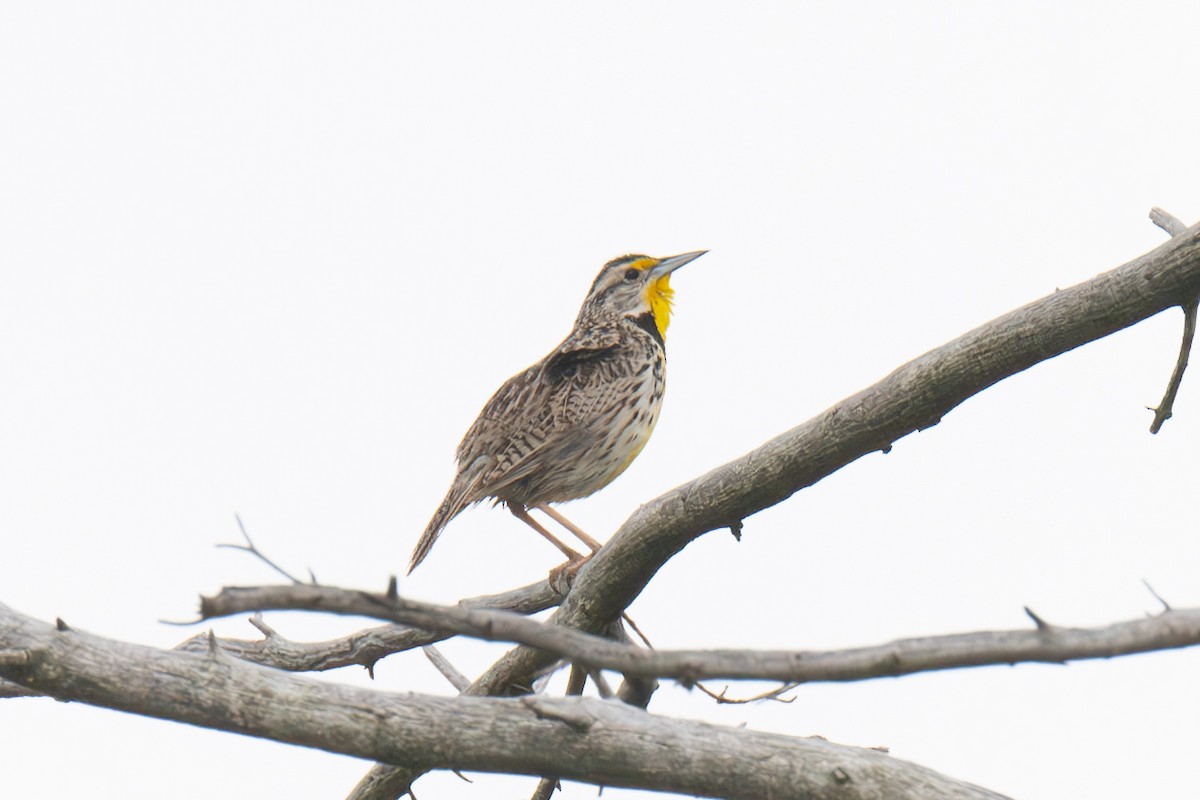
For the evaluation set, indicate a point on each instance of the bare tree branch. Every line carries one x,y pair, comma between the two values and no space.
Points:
581,739
1052,644
1166,406
251,548
365,648
587,739
775,694
913,397
1166,606
449,672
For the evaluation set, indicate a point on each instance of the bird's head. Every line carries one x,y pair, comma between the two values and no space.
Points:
638,287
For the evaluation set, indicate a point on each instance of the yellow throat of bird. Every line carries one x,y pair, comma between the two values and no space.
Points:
659,294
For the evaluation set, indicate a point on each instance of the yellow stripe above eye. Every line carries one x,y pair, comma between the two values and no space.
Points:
642,263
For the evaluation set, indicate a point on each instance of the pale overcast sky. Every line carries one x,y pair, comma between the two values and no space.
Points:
270,258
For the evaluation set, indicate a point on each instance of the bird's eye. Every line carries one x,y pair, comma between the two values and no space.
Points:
632,274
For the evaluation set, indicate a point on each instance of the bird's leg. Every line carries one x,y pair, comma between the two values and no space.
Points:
518,511
571,526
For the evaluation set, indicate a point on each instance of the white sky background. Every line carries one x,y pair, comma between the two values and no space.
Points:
272,258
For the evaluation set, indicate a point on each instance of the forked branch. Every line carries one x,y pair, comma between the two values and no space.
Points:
365,648
580,739
915,396
1166,406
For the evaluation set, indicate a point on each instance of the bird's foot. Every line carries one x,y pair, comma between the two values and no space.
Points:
562,576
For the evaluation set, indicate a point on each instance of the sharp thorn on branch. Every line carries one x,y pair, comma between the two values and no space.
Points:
1166,606
60,625
1042,625
736,529
393,592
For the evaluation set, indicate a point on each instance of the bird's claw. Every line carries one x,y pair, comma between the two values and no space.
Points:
562,576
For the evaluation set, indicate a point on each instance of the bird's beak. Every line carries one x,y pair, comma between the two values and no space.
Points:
672,263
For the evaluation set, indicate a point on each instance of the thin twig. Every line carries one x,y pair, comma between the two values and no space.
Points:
1166,606
252,549
1162,413
1164,410
545,789
772,694
629,621
456,678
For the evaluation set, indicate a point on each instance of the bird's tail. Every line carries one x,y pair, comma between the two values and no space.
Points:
452,505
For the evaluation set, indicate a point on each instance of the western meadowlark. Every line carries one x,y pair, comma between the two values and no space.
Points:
571,423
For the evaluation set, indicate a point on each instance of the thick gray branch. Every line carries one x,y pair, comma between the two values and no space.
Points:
580,739
1047,643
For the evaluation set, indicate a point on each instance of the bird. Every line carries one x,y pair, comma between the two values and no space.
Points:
567,426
